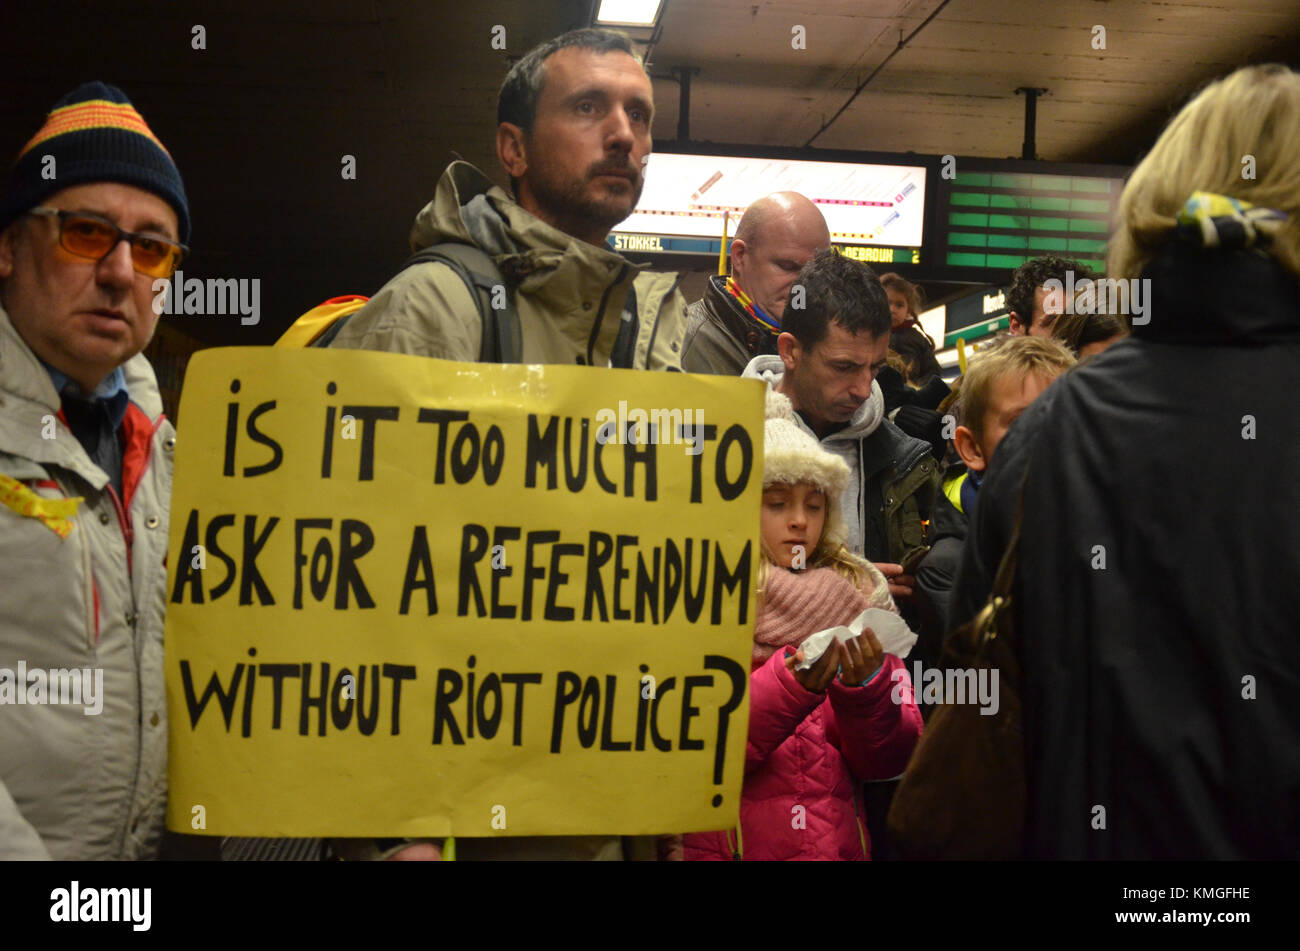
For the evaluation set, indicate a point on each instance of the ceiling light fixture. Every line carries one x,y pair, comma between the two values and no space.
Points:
642,13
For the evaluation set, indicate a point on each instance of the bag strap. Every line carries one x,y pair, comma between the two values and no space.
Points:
332,331
501,336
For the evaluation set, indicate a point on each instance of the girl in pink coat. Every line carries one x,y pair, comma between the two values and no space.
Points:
814,735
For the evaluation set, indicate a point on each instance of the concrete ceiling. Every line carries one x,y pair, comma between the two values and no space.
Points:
260,119
951,88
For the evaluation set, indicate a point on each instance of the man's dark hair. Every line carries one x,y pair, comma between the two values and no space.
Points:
1032,275
517,100
834,287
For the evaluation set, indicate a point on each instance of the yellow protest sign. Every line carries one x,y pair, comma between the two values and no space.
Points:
411,597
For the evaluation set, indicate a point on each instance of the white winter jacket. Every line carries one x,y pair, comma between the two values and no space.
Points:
82,588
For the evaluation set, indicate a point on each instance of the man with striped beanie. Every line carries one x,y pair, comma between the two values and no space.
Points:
94,214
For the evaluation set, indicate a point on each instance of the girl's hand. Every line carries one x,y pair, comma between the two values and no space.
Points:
817,677
863,657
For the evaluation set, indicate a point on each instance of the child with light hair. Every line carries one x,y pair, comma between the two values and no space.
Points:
815,735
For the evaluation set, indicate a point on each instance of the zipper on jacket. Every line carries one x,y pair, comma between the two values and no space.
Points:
127,533
123,518
600,316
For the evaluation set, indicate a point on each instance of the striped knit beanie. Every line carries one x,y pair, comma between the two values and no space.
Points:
94,134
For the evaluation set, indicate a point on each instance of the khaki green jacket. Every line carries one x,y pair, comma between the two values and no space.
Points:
570,295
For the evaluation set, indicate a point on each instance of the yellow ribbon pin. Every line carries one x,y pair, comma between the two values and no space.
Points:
55,514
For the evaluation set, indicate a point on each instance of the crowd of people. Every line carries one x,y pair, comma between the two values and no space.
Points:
1156,601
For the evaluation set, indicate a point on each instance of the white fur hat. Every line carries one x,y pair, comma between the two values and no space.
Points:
792,455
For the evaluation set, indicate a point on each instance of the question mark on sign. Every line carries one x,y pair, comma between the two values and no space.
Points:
739,678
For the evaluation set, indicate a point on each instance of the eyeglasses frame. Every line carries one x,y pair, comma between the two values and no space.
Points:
122,235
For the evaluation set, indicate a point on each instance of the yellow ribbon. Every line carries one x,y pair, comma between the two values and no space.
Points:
54,514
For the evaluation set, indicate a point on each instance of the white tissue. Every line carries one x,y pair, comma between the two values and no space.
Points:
890,629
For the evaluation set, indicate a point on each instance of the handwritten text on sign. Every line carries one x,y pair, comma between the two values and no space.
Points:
415,597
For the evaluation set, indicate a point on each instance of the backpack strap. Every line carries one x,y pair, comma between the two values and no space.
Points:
322,323
501,336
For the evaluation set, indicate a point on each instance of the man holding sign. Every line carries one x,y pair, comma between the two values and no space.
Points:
574,135
93,217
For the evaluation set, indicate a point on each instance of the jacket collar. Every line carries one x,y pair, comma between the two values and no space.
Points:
574,282
744,329
865,421
888,446
1203,296
948,520
22,374
28,396
112,391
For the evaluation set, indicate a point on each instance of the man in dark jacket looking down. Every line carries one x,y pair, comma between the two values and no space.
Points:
834,342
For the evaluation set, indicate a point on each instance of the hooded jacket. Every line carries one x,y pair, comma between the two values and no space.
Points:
804,749
570,295
892,476
1157,602
83,579
720,337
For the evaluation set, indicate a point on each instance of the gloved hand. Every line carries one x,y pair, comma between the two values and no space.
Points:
933,393
923,424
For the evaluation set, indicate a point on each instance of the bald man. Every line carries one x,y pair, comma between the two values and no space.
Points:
739,317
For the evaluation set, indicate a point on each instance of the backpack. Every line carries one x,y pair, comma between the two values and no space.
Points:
502,342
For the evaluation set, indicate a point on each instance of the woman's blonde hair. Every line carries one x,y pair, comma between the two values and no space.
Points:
1248,122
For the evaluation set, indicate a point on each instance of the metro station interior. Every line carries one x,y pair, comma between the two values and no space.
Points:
1018,120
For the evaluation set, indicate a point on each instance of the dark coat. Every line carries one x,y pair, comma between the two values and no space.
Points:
1161,683
721,337
899,482
936,574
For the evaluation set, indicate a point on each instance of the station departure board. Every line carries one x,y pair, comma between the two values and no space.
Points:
998,219
876,213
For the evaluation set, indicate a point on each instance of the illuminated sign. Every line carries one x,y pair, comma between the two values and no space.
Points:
875,213
874,255
976,315
1000,219
638,242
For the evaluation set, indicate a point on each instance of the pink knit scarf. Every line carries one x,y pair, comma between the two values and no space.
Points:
797,604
